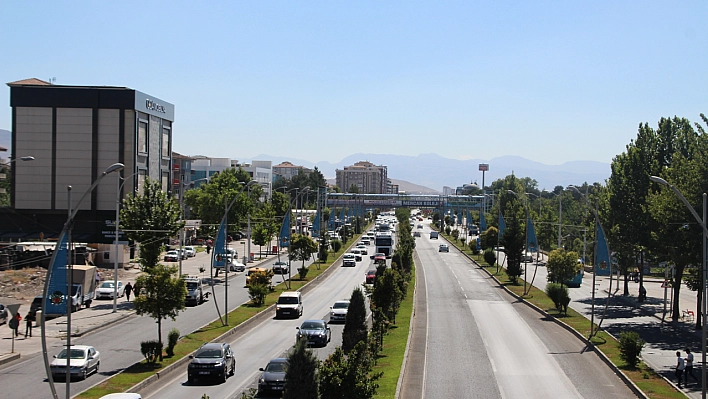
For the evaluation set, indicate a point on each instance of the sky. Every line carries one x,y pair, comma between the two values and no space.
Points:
551,81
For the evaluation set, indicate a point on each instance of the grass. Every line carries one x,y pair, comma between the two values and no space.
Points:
651,383
138,372
390,359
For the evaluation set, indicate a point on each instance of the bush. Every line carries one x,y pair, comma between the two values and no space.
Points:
559,295
303,272
257,293
490,257
336,245
151,350
630,346
473,248
172,338
447,230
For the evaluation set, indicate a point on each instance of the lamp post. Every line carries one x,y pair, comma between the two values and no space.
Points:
526,247
119,187
702,222
182,185
66,234
248,228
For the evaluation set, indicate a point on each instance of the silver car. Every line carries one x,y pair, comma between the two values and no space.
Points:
3,314
83,361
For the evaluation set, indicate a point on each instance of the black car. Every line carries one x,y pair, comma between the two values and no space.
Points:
272,380
317,332
212,360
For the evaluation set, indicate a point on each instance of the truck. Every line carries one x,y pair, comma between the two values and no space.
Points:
84,286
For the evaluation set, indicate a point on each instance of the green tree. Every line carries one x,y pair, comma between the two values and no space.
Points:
562,266
261,236
349,376
149,219
387,294
301,373
354,189
301,248
161,295
513,242
355,329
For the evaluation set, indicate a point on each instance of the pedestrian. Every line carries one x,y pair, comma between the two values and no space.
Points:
29,319
98,277
642,293
689,367
680,366
16,323
128,291
208,248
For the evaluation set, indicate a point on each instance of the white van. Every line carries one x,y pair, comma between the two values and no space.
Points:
289,304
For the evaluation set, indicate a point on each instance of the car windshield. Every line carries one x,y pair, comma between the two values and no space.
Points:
275,367
192,285
287,300
208,354
312,325
75,354
371,272
107,284
340,305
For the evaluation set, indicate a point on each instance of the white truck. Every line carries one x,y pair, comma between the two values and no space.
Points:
83,286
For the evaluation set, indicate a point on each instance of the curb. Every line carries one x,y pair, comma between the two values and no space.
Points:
629,383
404,364
9,357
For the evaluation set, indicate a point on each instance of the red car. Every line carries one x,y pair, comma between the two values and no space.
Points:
379,257
370,276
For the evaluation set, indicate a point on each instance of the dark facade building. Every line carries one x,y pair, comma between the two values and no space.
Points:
74,133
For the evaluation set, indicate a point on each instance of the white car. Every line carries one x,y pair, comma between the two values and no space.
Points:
83,361
363,249
190,252
105,290
338,312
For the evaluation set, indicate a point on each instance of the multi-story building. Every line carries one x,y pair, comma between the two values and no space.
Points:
261,172
370,178
287,170
75,133
204,167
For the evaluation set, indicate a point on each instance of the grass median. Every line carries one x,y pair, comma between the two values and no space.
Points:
643,376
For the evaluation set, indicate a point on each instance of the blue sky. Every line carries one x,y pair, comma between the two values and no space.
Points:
549,81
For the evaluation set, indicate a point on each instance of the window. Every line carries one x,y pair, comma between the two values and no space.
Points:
165,142
142,137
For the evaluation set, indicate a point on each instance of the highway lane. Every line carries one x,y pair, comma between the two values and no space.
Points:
481,343
119,344
269,339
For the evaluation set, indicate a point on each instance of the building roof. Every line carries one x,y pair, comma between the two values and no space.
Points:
29,82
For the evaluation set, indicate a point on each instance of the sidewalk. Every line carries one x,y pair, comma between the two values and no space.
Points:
99,315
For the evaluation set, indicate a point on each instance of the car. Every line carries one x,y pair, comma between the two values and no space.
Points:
281,267
236,266
122,395
370,276
3,314
172,256
363,249
338,311
366,240
349,260
357,254
420,226
443,248
211,360
317,332
379,257
190,251
105,290
433,235
195,291
416,234
36,304
253,270
83,360
272,380
527,258
289,304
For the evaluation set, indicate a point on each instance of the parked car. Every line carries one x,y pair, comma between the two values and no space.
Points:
212,360
236,266
272,380
3,314
172,256
317,332
36,304
443,248
349,260
190,251
370,276
83,360
105,290
281,267
289,304
363,249
338,311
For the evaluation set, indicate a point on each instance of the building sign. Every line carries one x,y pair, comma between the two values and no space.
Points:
154,106
483,167
151,105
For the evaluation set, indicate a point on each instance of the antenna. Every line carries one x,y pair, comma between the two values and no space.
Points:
52,80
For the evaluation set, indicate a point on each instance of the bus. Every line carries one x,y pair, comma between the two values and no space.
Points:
384,243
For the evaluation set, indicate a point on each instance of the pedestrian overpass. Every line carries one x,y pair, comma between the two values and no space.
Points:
384,201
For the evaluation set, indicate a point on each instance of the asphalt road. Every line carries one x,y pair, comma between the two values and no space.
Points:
482,343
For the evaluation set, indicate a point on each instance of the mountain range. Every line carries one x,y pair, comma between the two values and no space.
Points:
434,171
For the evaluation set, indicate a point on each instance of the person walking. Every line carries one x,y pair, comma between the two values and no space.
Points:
29,319
689,367
16,319
680,366
128,291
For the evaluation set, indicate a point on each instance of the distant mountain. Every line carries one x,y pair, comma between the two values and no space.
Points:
6,141
432,170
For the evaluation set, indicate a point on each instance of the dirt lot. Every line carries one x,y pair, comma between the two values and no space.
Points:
21,286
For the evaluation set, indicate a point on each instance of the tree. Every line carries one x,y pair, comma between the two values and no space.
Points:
387,293
261,236
349,376
562,266
354,189
355,324
301,248
149,219
160,295
301,373
513,242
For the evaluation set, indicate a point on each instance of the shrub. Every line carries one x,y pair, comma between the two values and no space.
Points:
336,245
447,230
257,293
559,295
490,257
151,350
303,272
473,248
172,338
630,346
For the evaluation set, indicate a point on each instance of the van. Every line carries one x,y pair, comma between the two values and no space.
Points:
195,291
289,304
433,235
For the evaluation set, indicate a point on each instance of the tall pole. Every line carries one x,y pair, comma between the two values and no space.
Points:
115,259
560,217
181,230
69,300
705,297
227,265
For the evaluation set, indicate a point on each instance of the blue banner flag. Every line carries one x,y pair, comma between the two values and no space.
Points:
342,216
531,241
469,220
55,302
502,225
316,226
330,222
482,222
284,239
220,246
602,257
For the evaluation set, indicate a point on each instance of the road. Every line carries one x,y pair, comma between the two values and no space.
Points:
482,343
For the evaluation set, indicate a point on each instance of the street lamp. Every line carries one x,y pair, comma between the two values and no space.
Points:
702,222
65,235
119,187
248,231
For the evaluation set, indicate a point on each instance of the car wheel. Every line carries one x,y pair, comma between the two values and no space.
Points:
97,365
226,373
233,367
190,380
84,373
